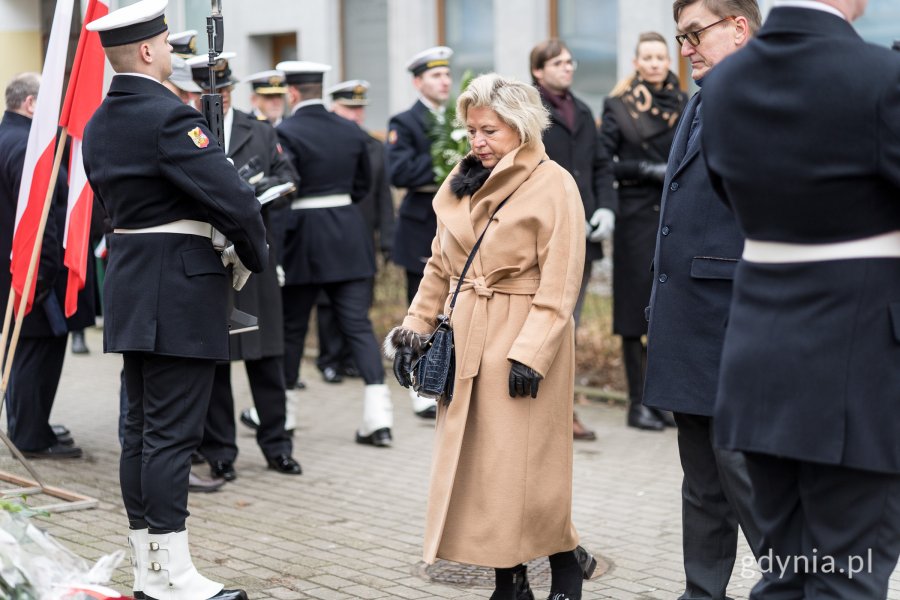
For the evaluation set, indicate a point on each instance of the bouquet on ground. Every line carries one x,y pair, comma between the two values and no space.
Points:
449,143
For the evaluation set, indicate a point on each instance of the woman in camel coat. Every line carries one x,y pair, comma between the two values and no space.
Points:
501,479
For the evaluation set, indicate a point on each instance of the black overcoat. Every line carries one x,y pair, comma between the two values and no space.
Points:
811,361
409,166
261,295
151,160
325,245
638,218
698,246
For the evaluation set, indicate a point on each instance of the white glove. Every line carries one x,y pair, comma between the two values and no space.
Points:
279,274
603,221
239,273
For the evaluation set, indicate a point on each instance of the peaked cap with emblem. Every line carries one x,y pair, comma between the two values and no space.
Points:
267,83
298,72
439,56
135,23
200,70
181,76
184,43
350,93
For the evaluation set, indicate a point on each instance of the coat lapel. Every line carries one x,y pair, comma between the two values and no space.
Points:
682,154
240,134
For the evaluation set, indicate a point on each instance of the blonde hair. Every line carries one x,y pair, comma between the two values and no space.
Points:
626,82
517,104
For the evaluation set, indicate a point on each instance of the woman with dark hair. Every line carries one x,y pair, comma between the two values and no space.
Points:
639,119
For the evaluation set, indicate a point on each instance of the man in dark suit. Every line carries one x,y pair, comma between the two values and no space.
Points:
41,349
802,140
253,147
327,245
572,140
698,246
349,100
409,165
165,183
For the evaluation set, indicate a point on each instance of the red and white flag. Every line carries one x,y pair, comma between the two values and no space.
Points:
83,96
39,154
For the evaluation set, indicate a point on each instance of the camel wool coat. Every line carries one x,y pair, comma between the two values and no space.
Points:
501,476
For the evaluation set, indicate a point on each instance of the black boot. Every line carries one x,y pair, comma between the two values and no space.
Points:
639,416
566,576
512,584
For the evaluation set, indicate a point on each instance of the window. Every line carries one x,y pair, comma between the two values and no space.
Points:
469,31
589,29
365,39
880,23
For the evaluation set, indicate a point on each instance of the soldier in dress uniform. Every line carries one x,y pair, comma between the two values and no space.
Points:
408,152
165,183
327,245
184,47
268,99
253,147
184,43
349,100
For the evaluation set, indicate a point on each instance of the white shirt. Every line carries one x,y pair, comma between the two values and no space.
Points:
810,4
435,108
227,123
309,102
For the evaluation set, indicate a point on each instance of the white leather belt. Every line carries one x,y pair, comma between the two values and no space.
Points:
330,201
885,245
184,226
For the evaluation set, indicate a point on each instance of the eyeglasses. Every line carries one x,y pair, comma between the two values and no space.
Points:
571,62
694,36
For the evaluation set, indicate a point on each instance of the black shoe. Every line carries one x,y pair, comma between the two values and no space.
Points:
349,371
380,437
230,595
65,440
247,419
202,485
59,430
587,562
222,469
641,417
300,385
665,416
520,583
330,375
428,413
197,458
284,463
78,345
55,451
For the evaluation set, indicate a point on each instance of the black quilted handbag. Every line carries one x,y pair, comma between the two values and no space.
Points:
434,371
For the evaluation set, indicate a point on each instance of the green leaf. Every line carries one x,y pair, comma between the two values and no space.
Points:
446,152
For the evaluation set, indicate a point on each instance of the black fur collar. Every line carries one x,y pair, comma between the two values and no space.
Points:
470,177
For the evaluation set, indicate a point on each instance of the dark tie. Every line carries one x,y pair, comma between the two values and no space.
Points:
695,126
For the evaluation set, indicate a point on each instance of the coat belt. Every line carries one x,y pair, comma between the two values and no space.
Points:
469,360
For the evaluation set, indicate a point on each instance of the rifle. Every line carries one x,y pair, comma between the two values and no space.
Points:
211,103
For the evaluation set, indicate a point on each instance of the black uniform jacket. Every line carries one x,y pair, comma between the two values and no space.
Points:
261,296
580,152
46,318
802,136
378,205
324,245
151,160
408,154
698,246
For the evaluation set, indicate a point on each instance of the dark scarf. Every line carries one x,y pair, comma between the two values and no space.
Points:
469,178
564,105
654,111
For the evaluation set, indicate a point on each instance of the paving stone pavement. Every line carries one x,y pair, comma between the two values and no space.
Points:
351,525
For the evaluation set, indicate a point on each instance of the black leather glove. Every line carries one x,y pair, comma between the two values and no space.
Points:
523,380
263,184
403,361
652,171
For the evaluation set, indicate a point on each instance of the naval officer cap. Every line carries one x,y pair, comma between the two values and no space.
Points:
200,70
181,76
267,83
135,23
184,43
298,72
439,56
350,93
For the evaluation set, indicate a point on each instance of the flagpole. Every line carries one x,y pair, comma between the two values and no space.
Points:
3,336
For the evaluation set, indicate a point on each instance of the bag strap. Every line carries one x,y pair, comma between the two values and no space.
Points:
469,260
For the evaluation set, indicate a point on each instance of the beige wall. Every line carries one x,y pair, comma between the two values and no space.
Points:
21,51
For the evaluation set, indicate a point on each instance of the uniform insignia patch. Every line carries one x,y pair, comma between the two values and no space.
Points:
392,136
198,137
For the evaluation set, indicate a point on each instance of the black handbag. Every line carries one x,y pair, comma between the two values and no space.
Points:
433,373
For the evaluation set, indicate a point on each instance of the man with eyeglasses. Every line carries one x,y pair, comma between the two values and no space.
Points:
697,247
572,141
810,384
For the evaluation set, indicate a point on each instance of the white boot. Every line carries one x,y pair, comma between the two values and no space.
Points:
137,546
291,408
378,412
424,407
171,574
